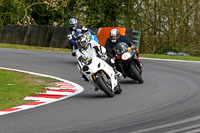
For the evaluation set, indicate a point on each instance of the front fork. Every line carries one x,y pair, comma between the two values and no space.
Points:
103,75
122,70
94,76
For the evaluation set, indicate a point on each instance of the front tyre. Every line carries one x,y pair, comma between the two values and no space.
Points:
135,74
104,87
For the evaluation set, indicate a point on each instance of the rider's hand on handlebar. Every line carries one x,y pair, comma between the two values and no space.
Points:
104,57
133,46
112,61
113,58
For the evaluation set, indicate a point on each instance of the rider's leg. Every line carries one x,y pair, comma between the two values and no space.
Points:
74,48
112,64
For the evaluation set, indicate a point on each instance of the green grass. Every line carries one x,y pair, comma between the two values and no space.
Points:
159,56
14,86
35,48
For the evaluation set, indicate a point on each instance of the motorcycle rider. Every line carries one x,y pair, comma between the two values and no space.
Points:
74,30
114,38
87,48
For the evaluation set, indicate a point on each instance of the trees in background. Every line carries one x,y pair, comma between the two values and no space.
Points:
165,24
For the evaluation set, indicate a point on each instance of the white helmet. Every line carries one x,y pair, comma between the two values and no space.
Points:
114,35
82,41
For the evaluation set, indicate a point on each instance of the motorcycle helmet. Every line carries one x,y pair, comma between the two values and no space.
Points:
82,41
73,23
114,35
121,48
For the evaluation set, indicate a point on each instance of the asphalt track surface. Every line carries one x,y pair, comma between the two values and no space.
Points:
167,102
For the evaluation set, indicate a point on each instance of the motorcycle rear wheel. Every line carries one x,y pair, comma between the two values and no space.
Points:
118,89
104,87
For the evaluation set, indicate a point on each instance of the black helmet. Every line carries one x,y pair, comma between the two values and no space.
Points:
73,23
82,41
114,35
121,48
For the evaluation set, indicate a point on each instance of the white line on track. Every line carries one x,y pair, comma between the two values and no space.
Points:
168,125
190,128
170,60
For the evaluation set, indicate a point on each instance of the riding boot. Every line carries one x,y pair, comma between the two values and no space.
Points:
73,53
84,77
117,73
96,89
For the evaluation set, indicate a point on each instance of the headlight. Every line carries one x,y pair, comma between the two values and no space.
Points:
126,56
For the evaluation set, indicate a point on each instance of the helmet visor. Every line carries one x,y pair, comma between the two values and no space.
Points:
82,43
113,37
73,25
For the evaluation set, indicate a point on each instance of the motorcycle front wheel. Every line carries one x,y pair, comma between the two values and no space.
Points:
135,74
104,87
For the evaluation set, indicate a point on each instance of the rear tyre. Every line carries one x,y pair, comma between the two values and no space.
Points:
135,74
104,87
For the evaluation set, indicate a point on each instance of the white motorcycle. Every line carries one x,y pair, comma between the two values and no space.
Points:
101,75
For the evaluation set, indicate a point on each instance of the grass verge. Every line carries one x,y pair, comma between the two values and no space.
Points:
14,86
158,56
35,48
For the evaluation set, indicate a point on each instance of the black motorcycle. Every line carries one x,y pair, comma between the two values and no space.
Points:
125,58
